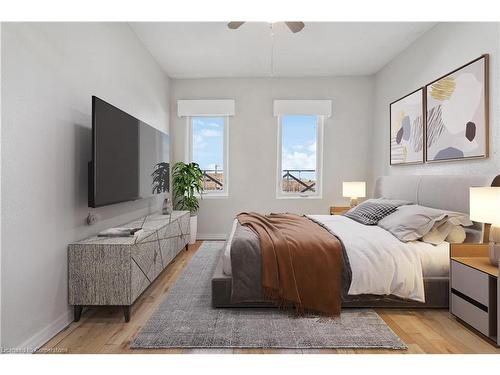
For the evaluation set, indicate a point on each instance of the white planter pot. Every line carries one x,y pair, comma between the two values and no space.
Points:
192,229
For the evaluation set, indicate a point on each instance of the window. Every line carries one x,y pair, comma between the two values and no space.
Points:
300,141
208,148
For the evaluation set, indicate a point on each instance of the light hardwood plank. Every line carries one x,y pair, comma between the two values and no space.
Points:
102,330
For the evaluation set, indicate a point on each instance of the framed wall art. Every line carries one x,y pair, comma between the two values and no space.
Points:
457,114
407,129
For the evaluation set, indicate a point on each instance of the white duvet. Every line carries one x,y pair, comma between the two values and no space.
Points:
380,263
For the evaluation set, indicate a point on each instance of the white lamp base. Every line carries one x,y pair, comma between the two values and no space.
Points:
494,253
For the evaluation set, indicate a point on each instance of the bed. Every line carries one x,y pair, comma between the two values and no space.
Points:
388,273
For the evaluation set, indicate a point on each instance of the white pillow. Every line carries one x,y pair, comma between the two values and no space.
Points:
412,222
447,230
457,235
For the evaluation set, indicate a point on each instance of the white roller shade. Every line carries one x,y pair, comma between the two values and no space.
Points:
303,107
205,108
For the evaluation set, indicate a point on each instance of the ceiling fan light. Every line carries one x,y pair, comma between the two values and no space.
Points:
295,26
233,25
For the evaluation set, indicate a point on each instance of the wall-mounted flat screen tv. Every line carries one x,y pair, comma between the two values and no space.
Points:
130,159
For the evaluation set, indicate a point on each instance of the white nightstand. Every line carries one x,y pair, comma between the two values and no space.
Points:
474,288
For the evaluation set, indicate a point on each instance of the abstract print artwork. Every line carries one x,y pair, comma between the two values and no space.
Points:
407,129
456,125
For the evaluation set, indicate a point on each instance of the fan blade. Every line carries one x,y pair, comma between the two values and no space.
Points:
295,26
234,25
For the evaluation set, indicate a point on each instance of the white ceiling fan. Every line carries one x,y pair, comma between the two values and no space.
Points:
294,26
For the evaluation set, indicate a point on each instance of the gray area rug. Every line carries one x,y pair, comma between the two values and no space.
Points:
186,319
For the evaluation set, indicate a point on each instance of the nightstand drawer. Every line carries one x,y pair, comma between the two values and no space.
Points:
339,210
471,282
470,314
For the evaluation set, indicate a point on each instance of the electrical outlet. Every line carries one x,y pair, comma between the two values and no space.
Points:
92,218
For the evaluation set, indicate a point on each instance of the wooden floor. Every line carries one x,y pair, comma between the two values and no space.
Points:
103,330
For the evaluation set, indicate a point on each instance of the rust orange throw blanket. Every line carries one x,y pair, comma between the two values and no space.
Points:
301,261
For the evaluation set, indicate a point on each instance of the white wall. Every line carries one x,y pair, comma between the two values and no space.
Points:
252,142
0,186
49,72
439,51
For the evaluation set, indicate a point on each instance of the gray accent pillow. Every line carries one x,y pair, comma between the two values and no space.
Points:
372,210
412,222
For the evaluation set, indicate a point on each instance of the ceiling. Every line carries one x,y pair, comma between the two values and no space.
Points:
210,49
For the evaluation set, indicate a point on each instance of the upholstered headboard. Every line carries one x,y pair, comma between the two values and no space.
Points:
443,192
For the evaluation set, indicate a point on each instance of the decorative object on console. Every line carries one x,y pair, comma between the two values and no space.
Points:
188,181
167,207
120,232
354,190
407,129
457,113
485,208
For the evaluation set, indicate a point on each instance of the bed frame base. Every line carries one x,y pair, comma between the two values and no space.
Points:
436,295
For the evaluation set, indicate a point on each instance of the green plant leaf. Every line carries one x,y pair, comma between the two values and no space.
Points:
187,181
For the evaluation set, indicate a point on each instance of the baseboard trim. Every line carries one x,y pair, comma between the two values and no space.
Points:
211,237
36,341
41,337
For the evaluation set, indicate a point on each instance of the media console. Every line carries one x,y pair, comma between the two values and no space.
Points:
115,271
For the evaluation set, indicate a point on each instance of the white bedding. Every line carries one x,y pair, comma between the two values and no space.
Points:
380,263
226,260
435,259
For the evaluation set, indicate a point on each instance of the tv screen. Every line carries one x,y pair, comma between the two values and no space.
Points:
130,159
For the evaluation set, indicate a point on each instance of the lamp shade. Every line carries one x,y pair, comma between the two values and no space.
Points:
484,204
354,189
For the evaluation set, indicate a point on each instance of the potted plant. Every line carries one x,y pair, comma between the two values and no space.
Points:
187,183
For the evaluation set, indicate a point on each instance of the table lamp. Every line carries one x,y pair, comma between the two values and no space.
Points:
484,203
354,190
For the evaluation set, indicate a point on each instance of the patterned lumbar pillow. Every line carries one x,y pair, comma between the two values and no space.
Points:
372,211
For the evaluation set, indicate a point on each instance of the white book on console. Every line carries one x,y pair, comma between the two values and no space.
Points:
119,232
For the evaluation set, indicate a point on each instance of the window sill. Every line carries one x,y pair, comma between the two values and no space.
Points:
213,196
299,197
